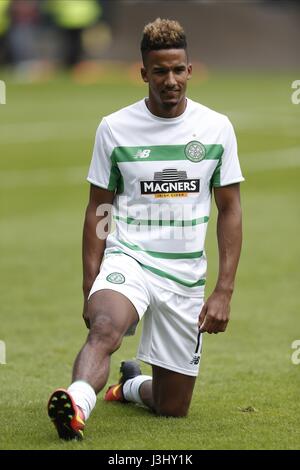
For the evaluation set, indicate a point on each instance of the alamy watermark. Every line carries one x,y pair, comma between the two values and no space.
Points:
295,97
179,221
2,92
295,358
2,352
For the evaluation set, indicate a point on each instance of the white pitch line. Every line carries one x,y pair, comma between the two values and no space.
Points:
46,131
271,159
274,119
250,162
43,177
285,122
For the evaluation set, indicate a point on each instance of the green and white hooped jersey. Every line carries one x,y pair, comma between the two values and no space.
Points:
163,171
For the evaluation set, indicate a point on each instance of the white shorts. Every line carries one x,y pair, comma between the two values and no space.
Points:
170,337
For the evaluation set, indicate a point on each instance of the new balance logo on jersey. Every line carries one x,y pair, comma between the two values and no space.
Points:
170,181
143,153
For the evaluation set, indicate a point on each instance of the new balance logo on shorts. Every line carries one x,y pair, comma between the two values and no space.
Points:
196,359
196,356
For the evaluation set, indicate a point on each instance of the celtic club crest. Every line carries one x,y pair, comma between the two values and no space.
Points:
195,151
116,278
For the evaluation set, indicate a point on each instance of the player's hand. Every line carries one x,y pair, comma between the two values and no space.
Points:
85,312
214,315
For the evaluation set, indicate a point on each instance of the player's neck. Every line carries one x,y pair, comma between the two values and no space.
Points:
166,111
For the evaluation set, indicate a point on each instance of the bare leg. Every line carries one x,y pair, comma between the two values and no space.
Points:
169,393
110,315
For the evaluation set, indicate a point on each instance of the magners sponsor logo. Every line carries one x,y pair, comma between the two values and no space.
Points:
170,183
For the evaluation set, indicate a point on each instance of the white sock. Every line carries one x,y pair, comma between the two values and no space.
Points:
131,388
84,396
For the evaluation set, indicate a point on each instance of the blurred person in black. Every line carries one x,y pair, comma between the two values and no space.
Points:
72,17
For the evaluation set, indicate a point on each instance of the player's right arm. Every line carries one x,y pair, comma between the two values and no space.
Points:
92,245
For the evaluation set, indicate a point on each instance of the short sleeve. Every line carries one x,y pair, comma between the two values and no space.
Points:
228,170
103,172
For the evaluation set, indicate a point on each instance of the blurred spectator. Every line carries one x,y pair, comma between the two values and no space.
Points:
23,35
4,25
72,17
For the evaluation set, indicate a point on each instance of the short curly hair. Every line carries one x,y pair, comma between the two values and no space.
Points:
162,34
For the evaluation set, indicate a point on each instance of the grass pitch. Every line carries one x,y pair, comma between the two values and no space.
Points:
247,394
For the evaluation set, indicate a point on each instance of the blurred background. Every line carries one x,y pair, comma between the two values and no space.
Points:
40,36
66,64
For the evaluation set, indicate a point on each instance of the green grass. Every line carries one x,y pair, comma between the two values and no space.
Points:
46,138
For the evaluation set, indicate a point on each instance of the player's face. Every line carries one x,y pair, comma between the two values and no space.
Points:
167,72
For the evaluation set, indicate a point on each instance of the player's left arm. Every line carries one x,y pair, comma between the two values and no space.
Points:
214,315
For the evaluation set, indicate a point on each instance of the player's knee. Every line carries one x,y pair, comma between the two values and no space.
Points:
172,410
169,412
105,331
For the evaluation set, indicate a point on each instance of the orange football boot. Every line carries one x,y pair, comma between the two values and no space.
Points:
67,417
128,370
